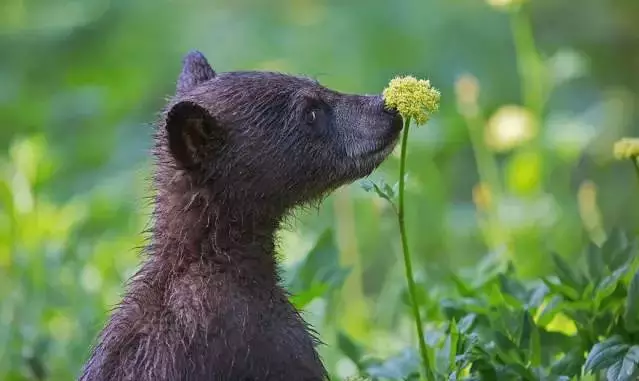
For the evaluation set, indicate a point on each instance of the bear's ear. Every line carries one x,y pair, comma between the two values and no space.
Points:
195,70
193,134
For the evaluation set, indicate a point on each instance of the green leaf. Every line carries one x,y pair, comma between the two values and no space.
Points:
581,305
602,323
396,185
382,189
522,372
421,296
349,348
595,262
569,364
485,368
446,355
550,310
508,350
566,275
527,325
529,340
580,317
367,185
624,257
562,289
556,342
463,289
609,284
466,323
513,302
630,366
535,348
507,321
321,265
613,371
537,296
617,250
631,316
458,308
616,240
604,354
303,298
452,340
488,268
512,287
397,367
589,292
626,369
388,190
495,297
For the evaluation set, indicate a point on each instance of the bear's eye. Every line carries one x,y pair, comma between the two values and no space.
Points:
311,116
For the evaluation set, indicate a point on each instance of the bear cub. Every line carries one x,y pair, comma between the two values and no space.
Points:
235,152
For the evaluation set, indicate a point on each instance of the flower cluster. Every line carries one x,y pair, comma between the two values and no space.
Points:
626,148
413,98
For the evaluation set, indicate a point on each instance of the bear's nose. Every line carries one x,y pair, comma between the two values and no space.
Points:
380,106
390,111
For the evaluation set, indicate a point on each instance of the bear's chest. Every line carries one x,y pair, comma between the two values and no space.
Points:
251,346
244,337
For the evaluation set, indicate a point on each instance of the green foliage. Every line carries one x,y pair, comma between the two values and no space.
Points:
81,80
318,273
579,321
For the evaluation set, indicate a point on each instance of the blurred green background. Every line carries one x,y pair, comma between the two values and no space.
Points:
517,162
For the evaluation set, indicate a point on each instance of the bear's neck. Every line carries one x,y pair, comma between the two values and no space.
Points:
233,234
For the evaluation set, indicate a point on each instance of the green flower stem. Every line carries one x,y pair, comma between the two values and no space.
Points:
407,259
529,63
532,72
486,164
635,165
488,172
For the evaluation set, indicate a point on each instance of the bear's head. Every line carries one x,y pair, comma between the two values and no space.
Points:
269,137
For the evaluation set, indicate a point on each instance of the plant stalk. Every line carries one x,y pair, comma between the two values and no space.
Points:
529,62
488,172
635,164
423,350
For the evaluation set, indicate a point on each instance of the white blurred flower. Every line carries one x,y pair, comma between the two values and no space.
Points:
510,127
521,213
569,134
91,279
503,4
567,64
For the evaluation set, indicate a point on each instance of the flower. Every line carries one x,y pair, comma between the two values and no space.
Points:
413,98
510,127
626,148
589,211
482,196
467,92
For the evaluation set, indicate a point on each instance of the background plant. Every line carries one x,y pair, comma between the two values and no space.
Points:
518,162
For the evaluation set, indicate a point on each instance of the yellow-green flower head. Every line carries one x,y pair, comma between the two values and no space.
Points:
626,148
413,98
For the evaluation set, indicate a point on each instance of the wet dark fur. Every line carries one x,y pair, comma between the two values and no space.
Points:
235,152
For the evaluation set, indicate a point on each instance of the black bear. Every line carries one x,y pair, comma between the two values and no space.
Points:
235,152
